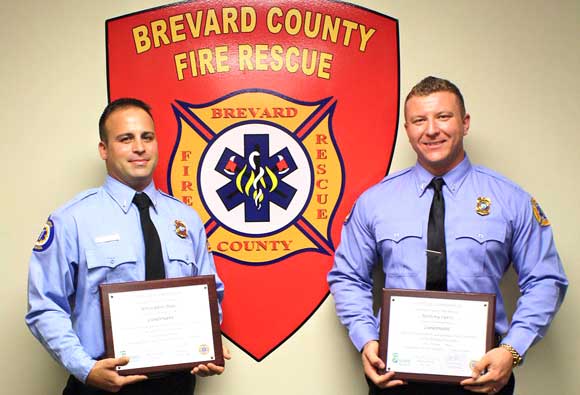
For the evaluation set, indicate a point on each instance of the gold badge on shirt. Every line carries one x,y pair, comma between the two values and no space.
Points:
539,214
180,229
483,205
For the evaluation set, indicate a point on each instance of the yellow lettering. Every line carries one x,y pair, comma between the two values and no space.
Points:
330,28
292,66
229,16
277,60
365,36
180,65
176,27
350,26
261,57
308,30
272,26
194,27
159,32
248,20
211,23
221,59
205,61
293,27
324,65
141,39
244,54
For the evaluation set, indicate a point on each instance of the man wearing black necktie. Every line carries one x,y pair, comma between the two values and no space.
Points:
126,230
447,225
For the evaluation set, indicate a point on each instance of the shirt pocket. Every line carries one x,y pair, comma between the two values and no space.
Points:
400,243
111,263
181,259
478,245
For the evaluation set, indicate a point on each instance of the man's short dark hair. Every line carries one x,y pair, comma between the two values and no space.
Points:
431,85
120,104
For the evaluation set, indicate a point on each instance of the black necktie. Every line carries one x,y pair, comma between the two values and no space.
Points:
154,269
436,254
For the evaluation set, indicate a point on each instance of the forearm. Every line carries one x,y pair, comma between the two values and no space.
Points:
54,331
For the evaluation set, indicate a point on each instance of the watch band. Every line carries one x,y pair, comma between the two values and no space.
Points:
517,358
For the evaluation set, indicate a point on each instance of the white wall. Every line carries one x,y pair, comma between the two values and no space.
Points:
515,61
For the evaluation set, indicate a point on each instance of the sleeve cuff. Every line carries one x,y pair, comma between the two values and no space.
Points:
363,333
520,339
82,370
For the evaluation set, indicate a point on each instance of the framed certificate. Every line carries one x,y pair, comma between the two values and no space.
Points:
162,325
435,336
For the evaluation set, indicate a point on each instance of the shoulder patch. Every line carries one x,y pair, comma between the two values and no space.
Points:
539,213
45,238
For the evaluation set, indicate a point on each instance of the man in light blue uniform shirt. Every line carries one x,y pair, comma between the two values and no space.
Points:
490,223
97,238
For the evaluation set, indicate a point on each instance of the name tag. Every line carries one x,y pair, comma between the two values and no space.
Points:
107,238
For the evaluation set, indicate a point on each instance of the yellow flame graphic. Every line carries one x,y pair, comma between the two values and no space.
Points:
252,186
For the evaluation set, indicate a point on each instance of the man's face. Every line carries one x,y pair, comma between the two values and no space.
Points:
130,151
435,128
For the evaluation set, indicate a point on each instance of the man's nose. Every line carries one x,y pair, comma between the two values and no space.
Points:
138,145
432,128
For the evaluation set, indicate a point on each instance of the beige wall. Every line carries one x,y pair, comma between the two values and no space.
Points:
516,61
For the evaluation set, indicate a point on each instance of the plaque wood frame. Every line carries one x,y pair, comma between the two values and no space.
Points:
388,293
209,280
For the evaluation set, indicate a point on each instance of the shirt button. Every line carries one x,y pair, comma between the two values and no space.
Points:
396,235
480,235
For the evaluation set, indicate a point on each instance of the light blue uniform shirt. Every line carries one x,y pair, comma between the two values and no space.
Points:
388,224
97,238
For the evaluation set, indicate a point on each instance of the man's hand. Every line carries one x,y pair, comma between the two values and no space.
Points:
212,369
372,364
104,375
497,365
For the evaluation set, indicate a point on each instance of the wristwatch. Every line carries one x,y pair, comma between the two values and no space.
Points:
517,358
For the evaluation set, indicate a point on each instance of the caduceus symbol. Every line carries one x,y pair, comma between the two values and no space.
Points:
256,183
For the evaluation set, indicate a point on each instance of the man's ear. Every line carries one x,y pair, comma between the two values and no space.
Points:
103,150
466,123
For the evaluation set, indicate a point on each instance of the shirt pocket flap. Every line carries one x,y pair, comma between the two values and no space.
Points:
397,231
110,255
482,231
181,251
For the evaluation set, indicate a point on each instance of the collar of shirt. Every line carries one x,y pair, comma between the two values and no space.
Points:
123,194
453,178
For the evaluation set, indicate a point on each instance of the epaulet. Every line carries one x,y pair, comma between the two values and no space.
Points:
78,198
170,196
497,176
396,175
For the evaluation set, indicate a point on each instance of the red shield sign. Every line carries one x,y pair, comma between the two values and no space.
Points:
272,117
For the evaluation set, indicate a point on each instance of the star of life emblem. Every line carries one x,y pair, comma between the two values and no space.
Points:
268,172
